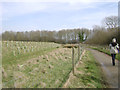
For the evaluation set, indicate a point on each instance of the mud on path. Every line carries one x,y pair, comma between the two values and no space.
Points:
110,72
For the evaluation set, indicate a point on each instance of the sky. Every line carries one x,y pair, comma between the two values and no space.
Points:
35,15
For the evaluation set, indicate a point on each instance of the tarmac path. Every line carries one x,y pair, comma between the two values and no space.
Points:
110,72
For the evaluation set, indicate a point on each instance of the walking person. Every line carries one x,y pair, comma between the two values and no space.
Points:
114,49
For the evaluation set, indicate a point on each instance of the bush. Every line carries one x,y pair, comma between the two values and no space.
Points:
103,37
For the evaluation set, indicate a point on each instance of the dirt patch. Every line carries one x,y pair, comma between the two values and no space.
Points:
4,74
19,79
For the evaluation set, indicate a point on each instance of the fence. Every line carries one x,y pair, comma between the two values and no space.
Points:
75,64
73,53
75,58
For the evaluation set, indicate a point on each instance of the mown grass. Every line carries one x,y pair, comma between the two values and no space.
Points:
88,74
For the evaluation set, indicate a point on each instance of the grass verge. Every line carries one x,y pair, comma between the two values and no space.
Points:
87,74
106,51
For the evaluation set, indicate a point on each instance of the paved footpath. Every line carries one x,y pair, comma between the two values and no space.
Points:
110,72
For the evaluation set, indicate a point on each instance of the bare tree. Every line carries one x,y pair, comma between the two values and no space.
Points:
110,22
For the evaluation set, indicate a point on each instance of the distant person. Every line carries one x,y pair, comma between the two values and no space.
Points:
114,49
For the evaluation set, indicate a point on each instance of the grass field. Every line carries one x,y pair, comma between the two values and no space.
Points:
15,51
35,64
46,65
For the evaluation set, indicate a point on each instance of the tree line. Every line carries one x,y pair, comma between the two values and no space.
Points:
98,35
62,36
104,34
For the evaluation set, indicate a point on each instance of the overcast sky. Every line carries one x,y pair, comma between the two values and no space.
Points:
55,15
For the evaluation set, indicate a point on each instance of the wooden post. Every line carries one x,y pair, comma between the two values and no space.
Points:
78,51
73,59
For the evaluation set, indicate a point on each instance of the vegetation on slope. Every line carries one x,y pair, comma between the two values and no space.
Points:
50,69
87,74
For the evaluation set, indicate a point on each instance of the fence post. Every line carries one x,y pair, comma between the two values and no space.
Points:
73,58
78,51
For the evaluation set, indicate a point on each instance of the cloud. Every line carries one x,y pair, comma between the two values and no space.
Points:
0,18
55,15
70,1
11,9
14,9
94,15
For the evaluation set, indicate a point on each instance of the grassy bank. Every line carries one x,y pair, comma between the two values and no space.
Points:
106,51
87,74
49,70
